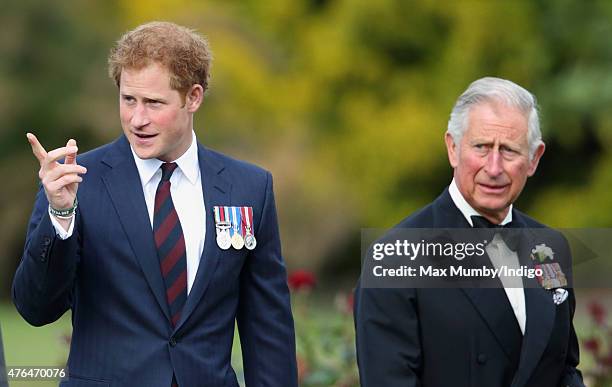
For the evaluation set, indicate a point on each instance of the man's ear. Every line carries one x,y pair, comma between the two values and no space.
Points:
194,98
533,163
452,149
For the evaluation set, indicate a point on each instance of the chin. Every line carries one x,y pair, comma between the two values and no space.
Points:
493,205
145,154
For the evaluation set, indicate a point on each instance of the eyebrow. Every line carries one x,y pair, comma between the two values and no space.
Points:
145,99
481,140
150,99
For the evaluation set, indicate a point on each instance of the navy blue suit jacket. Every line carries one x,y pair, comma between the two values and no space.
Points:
464,337
108,274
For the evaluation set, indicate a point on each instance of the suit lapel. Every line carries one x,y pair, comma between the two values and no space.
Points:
540,318
217,192
122,182
540,311
491,303
493,306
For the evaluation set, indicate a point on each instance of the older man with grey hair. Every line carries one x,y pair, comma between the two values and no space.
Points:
509,335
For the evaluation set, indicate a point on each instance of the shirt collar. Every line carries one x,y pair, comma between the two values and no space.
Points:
467,210
187,163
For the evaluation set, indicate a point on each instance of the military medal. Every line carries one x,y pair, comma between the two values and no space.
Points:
223,240
552,276
247,220
222,227
237,240
250,242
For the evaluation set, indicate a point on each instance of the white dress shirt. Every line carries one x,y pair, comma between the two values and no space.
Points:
186,192
500,255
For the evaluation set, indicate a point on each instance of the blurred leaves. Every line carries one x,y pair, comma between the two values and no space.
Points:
345,101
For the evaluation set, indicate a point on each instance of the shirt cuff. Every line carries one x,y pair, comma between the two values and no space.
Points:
59,230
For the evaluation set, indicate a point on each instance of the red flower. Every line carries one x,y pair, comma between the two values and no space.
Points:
597,312
301,279
607,361
592,345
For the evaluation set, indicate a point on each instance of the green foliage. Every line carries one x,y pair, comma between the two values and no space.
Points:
26,346
345,101
325,341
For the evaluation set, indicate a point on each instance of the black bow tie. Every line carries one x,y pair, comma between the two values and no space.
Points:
482,222
510,237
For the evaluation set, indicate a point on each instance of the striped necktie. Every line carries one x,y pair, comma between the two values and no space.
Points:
170,243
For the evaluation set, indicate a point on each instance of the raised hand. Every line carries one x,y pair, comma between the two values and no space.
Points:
60,181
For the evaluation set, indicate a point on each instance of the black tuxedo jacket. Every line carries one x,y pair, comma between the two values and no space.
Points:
463,337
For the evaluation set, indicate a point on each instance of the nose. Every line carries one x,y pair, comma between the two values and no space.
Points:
494,166
140,117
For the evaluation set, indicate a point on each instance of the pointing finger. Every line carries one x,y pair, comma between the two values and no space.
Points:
39,152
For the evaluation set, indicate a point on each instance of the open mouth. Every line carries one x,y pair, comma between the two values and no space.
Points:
144,135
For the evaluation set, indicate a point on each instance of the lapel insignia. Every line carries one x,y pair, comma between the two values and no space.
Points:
234,227
542,253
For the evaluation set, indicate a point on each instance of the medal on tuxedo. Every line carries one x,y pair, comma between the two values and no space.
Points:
552,275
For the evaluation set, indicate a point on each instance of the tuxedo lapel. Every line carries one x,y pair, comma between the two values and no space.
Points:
493,306
540,319
540,310
491,303
217,192
122,182
446,213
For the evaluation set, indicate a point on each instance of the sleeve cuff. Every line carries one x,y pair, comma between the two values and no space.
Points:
59,230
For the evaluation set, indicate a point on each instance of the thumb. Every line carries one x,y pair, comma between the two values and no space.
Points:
71,158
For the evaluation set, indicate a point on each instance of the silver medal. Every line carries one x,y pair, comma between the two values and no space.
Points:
249,241
223,239
223,236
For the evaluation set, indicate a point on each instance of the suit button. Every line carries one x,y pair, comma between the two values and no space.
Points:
46,241
482,358
172,342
